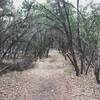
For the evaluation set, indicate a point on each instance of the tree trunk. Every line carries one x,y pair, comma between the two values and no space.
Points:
97,69
97,72
79,40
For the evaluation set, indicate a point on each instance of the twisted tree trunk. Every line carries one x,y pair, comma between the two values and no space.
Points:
97,69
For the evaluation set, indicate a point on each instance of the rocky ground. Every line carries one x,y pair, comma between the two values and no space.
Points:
52,79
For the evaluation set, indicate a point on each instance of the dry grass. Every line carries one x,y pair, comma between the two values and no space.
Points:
52,79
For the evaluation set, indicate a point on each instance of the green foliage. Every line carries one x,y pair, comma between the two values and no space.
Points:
35,28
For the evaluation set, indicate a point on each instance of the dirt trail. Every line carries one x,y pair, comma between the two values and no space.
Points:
46,82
